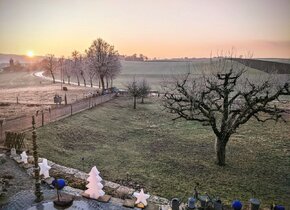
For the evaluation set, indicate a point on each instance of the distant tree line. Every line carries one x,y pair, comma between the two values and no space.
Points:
100,63
134,57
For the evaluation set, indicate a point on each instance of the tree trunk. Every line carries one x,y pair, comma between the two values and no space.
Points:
107,83
91,81
85,84
103,84
221,152
68,80
78,79
111,82
52,75
142,100
134,102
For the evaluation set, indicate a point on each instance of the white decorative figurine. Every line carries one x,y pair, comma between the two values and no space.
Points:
24,157
44,168
94,186
141,197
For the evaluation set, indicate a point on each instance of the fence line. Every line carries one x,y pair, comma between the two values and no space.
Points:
46,116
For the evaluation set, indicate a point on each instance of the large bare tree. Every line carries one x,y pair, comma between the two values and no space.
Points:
99,55
226,98
50,64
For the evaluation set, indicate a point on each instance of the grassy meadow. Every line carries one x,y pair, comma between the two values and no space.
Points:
156,72
168,158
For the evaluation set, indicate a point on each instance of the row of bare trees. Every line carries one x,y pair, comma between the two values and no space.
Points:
100,62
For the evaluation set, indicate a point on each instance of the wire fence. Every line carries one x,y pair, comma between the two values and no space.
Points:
43,117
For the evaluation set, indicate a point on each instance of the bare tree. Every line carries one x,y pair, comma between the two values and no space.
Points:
75,58
114,69
68,65
81,69
90,71
61,65
224,100
49,63
133,91
98,55
144,89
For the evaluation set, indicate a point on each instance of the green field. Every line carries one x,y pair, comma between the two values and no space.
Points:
157,72
169,158
280,60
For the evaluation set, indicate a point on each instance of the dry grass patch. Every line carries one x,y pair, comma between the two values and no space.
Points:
169,158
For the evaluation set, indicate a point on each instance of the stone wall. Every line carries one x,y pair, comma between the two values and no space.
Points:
76,181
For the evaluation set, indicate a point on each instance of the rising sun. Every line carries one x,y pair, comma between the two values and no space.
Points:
30,54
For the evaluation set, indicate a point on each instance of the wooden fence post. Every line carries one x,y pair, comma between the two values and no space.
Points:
42,118
1,129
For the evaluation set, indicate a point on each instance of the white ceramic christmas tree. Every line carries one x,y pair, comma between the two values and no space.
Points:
94,186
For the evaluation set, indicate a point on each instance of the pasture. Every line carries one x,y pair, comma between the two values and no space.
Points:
169,158
156,72
32,93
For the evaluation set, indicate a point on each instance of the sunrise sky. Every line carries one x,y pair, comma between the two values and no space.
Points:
156,28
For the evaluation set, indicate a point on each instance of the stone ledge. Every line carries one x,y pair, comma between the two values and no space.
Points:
124,192
158,200
114,189
111,185
72,191
81,175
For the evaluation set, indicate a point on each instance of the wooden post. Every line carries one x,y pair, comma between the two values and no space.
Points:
42,118
71,110
38,193
49,110
1,130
